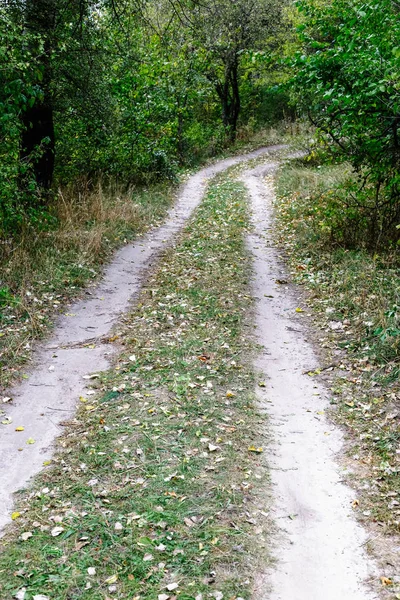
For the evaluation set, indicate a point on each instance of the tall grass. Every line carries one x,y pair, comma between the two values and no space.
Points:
49,260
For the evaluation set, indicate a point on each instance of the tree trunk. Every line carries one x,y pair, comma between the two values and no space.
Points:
229,94
38,140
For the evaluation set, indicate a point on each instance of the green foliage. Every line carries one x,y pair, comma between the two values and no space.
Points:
19,86
131,91
347,81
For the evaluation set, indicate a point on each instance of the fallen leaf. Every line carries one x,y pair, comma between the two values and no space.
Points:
299,310
148,557
26,535
112,579
386,581
15,515
20,428
30,441
254,449
56,531
91,571
230,394
20,595
172,586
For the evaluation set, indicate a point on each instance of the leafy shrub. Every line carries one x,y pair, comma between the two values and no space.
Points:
347,79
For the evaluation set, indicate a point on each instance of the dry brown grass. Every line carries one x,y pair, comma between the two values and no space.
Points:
47,263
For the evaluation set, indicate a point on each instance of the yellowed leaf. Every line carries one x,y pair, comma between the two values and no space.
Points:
255,449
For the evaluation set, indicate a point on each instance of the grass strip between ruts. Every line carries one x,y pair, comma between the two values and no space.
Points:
153,493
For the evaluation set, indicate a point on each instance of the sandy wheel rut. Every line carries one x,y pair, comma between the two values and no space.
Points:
319,545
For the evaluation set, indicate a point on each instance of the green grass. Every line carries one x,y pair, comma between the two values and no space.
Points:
355,295
153,483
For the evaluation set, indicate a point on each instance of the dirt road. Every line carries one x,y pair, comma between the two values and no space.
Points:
317,544
56,381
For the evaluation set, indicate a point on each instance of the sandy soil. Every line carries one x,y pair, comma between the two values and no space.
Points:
318,544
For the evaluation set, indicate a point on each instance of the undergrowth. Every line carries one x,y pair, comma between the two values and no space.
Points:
153,493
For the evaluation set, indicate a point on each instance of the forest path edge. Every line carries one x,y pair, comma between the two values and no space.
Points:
79,346
318,547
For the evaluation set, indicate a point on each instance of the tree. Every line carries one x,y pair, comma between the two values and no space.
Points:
61,36
347,79
38,139
224,31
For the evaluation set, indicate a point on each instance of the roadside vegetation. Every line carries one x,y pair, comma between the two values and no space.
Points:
153,492
43,268
338,218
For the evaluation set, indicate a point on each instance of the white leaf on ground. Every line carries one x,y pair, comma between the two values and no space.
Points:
56,531
160,547
26,535
20,595
172,586
91,571
147,557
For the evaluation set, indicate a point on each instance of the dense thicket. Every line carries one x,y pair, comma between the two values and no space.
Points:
347,79
127,88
